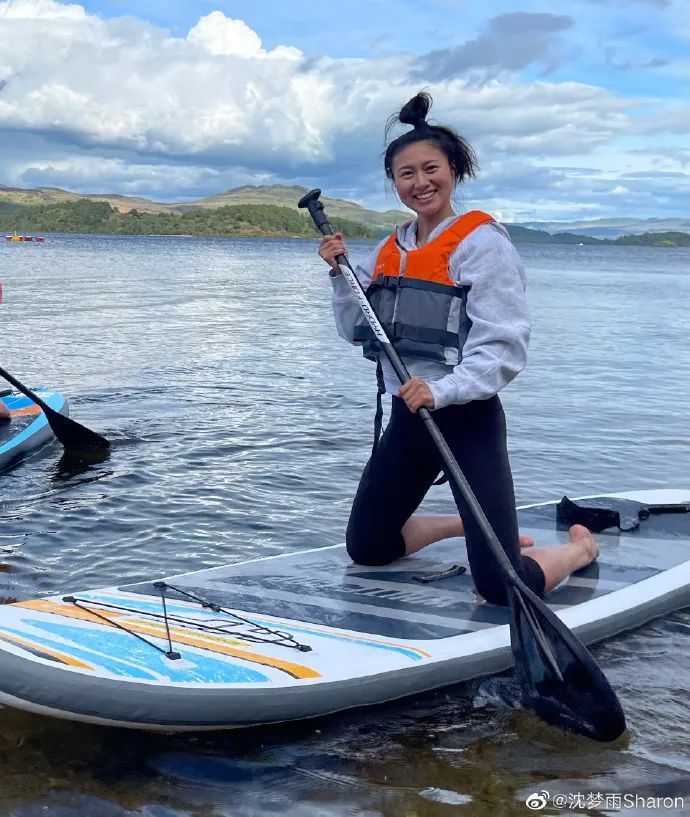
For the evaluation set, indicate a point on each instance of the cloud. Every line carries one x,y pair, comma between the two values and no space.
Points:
512,41
634,65
121,105
220,35
124,83
40,10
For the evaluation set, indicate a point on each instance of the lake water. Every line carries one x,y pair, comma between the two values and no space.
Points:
240,424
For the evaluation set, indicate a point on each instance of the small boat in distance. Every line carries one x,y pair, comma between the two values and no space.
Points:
19,237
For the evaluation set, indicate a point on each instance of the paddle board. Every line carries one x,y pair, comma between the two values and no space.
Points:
28,430
308,633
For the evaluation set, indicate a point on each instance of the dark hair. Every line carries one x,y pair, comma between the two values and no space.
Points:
458,151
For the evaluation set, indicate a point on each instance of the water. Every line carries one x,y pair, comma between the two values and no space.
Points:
240,424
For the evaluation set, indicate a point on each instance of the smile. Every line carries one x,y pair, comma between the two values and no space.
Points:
425,196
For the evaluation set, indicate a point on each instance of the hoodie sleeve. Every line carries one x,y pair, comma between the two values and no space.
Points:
495,351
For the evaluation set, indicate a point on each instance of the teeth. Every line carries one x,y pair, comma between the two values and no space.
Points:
425,196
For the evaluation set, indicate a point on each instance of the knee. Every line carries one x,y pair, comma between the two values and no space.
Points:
493,592
366,550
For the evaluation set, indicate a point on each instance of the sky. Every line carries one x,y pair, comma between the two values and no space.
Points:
576,109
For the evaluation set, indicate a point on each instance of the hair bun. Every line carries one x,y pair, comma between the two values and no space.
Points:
415,111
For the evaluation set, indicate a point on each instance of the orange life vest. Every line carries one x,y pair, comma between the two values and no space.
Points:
421,307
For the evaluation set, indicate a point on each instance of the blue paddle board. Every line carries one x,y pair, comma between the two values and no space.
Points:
28,430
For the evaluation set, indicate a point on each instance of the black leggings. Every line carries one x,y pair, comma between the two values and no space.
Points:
406,462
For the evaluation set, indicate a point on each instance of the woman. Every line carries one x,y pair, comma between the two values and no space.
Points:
450,291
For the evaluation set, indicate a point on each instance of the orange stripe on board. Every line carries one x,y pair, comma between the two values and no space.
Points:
26,411
136,625
41,648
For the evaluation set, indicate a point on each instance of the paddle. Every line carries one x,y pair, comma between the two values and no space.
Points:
71,434
560,679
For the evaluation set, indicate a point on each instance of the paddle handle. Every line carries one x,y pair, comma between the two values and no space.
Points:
315,207
22,388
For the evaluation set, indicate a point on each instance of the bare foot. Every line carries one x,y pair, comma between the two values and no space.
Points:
559,562
581,536
525,541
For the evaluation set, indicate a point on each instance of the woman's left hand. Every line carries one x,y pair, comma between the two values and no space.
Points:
416,393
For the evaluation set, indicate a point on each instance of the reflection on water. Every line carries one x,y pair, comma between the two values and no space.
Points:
239,425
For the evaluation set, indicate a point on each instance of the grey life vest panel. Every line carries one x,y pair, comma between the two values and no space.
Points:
424,319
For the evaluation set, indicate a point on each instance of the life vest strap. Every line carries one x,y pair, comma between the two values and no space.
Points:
378,417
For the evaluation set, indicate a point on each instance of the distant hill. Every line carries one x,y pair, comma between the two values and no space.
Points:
31,197
611,227
281,195
250,220
526,235
278,195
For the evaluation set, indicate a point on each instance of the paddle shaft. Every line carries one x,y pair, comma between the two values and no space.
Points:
450,463
31,395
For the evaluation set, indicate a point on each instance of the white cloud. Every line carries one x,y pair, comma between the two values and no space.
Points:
122,105
220,35
40,10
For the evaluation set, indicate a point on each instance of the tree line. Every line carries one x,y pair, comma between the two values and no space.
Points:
87,216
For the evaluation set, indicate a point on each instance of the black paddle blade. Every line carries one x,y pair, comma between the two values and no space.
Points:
72,435
561,682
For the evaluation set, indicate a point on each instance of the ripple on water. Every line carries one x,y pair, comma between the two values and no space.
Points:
240,425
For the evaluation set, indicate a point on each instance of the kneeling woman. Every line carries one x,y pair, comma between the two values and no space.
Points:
450,291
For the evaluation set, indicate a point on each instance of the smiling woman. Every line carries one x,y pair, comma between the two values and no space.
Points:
449,290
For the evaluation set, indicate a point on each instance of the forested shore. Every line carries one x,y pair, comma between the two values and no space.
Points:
239,220
261,220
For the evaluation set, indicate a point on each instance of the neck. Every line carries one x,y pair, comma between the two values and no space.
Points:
426,225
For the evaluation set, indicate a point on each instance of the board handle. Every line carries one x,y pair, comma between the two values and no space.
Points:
677,507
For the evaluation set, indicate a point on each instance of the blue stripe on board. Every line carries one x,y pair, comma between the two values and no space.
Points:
129,657
26,433
53,399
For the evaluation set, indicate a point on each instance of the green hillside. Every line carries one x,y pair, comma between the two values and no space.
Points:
282,195
668,239
380,223
54,195
277,195
85,216
269,210
524,235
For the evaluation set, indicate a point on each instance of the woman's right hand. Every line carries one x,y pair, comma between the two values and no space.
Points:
330,247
